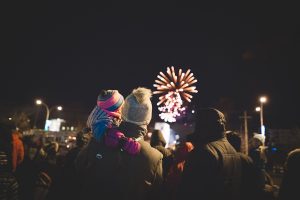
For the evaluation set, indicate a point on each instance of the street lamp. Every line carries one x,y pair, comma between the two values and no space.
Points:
262,100
257,109
40,102
59,108
48,111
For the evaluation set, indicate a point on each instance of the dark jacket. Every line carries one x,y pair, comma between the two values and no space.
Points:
70,181
252,185
212,171
114,174
158,142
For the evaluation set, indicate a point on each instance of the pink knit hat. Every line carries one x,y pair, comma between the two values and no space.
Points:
111,101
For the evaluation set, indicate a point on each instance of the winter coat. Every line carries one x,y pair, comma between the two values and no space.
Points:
212,171
114,174
17,151
252,185
70,179
158,142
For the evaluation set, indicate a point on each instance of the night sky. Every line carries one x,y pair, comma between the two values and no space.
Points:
66,53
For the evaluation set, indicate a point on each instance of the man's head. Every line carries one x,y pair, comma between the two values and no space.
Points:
137,108
82,139
157,138
210,125
293,161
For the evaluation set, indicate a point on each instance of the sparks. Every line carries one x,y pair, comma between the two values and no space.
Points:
173,88
172,107
180,83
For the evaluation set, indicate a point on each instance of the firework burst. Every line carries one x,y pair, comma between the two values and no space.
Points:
173,88
172,107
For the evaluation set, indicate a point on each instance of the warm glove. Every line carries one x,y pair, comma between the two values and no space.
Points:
115,138
132,146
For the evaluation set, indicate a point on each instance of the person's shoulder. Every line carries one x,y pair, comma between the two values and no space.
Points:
149,152
203,154
208,151
166,152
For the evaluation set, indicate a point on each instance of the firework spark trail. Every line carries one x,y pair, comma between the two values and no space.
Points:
173,88
181,83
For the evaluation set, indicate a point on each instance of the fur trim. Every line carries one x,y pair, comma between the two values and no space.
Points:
142,94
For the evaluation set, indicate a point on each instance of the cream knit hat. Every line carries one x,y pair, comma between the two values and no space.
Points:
137,108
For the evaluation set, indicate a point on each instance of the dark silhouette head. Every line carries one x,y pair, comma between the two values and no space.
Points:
210,126
82,139
157,138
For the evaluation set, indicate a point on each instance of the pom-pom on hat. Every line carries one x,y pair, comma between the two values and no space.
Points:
110,101
137,108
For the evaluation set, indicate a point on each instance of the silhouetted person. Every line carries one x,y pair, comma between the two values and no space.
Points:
49,174
106,163
71,183
258,155
17,151
8,183
255,152
27,171
252,185
290,187
213,168
158,142
175,173
81,140
143,177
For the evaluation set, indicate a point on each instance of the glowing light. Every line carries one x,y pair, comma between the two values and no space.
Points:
59,108
263,99
38,102
173,88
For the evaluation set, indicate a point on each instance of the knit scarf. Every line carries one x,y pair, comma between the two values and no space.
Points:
99,121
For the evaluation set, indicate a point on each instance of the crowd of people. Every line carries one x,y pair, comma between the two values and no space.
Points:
113,160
